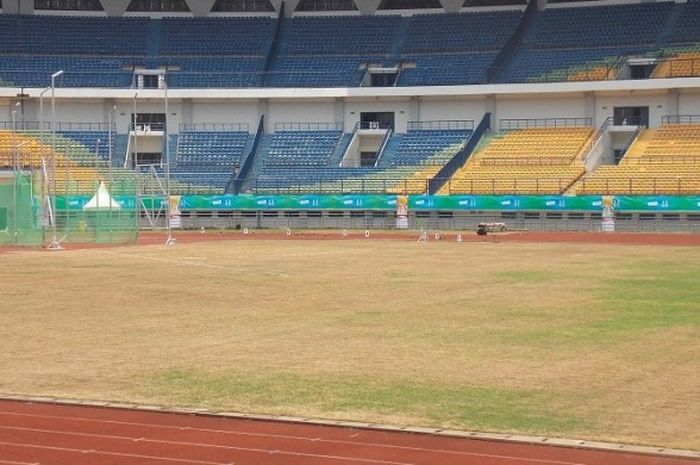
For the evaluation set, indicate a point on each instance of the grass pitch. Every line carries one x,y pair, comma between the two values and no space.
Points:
593,341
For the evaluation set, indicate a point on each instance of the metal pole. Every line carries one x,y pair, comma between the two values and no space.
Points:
111,116
15,173
133,129
54,245
44,186
169,240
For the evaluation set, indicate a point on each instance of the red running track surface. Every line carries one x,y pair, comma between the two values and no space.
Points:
49,434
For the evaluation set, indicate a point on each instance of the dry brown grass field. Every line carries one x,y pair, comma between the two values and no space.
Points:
590,341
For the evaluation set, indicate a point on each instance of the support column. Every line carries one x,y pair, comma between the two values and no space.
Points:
367,7
187,111
339,112
491,107
589,108
115,7
200,8
26,7
414,109
452,6
263,109
674,102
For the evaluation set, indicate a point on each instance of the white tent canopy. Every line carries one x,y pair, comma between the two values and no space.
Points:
102,200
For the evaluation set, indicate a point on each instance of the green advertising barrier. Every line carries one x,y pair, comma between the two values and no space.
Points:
591,203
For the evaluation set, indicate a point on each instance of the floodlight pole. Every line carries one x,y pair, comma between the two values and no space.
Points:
133,129
111,116
44,186
54,245
169,240
41,117
15,172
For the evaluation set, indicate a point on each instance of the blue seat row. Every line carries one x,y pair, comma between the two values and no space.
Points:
219,148
302,148
332,51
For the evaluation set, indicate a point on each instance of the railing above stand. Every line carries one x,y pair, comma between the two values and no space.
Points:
525,123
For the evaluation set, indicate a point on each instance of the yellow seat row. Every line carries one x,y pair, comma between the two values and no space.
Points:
524,161
662,161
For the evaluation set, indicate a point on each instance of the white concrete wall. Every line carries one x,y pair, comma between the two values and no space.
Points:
658,106
689,104
298,112
347,110
354,108
464,109
147,144
232,112
539,107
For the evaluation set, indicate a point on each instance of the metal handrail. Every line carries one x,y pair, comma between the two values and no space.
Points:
525,123
680,119
596,137
312,126
213,127
440,125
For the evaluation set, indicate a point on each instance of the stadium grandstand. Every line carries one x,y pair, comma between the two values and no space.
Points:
326,97
379,232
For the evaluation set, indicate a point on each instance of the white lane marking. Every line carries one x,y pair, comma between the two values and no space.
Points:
277,436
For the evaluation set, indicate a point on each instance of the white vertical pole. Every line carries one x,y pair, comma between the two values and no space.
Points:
44,186
169,240
54,240
15,172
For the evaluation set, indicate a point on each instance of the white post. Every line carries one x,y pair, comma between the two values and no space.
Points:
135,157
110,119
15,172
169,240
54,245
44,187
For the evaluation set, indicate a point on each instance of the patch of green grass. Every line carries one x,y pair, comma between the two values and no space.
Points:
527,276
643,297
483,408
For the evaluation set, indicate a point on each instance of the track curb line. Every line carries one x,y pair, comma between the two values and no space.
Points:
475,435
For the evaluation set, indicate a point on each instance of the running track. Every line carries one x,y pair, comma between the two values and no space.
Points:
50,434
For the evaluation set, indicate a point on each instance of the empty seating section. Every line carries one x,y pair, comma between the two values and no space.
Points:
419,154
73,35
202,72
567,65
452,32
328,51
340,35
318,71
662,161
302,148
217,36
684,64
428,147
565,42
207,159
688,29
217,147
570,43
78,170
453,49
595,26
96,142
30,150
100,52
524,161
446,69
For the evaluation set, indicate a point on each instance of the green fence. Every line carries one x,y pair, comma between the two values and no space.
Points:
19,218
101,217
27,212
